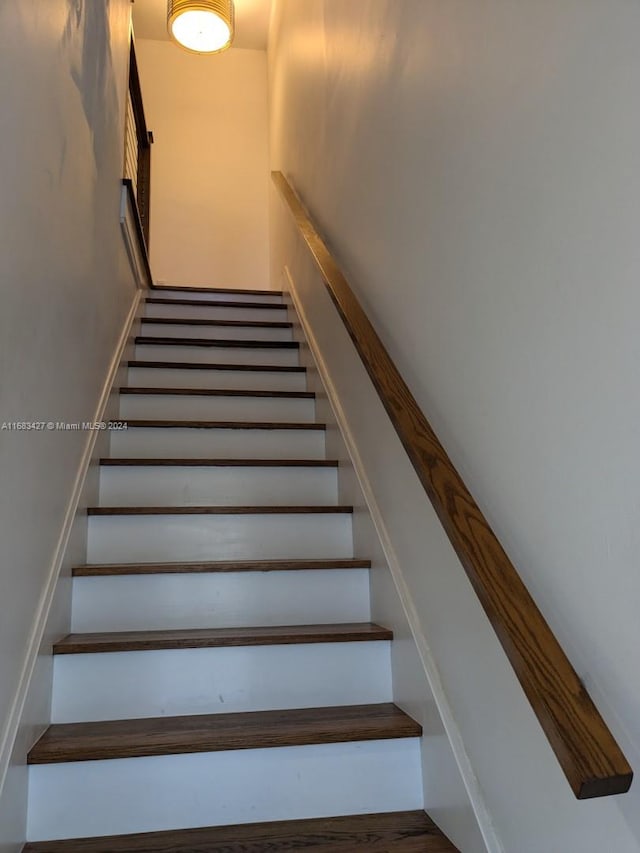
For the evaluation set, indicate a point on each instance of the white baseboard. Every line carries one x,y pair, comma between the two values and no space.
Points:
10,730
430,668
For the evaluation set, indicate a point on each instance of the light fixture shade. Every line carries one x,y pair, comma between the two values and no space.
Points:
201,26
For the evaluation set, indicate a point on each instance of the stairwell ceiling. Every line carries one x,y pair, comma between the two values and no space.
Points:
252,22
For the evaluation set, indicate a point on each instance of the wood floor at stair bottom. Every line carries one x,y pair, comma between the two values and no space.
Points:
395,832
219,732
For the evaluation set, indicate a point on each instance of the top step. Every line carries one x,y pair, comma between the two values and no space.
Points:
218,294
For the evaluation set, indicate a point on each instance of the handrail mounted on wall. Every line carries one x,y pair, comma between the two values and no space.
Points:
584,746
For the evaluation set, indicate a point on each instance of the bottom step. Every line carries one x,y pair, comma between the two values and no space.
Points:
169,792
150,775
397,832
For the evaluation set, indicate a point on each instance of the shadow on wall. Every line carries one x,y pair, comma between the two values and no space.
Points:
92,69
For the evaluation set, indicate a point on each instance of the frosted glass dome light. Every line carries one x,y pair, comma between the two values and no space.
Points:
201,26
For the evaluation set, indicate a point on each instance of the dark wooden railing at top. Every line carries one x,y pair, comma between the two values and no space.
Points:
585,748
137,147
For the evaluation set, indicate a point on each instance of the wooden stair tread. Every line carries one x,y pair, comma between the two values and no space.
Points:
203,321
220,510
194,365
116,569
156,423
218,732
224,343
393,832
198,303
199,462
207,638
194,289
215,392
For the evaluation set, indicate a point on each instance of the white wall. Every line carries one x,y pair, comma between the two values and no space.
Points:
209,165
475,168
65,291
334,373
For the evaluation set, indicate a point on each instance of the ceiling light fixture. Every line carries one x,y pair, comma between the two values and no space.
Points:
201,26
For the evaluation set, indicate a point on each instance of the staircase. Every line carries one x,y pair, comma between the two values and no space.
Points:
223,688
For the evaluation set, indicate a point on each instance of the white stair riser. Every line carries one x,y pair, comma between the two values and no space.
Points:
240,333
216,296
220,600
244,786
218,537
176,407
251,486
124,685
216,355
214,312
160,377
224,443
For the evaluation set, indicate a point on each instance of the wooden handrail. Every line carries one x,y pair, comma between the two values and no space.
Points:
584,746
145,137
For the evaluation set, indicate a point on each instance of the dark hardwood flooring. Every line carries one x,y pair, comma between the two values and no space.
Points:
108,569
200,462
218,732
395,832
218,510
200,638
